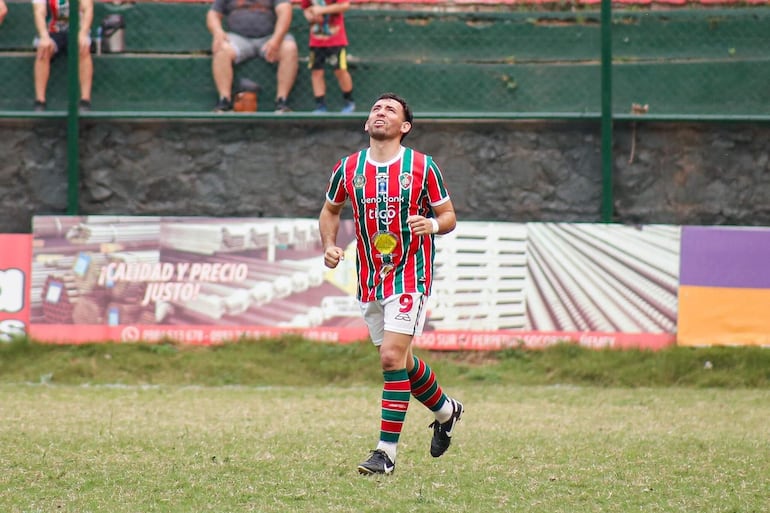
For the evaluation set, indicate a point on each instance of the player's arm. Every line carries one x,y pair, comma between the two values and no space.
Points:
329,227
443,221
445,217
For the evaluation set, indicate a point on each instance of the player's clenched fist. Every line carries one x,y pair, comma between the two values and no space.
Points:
332,256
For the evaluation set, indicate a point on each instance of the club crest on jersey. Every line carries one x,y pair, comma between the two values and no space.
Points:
382,185
359,181
405,180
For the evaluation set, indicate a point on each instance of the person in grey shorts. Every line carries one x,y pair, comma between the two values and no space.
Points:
256,28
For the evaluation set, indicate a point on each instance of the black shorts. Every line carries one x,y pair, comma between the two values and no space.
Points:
337,57
60,40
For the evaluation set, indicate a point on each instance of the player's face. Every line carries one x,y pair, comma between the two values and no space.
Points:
386,120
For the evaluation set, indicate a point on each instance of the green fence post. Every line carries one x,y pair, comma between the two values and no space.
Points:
607,200
73,97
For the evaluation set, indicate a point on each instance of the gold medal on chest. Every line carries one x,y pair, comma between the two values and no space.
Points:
385,243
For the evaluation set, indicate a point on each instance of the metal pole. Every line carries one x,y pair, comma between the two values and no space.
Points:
73,97
607,199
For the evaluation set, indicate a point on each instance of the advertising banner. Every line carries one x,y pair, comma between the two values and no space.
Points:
194,280
15,251
504,285
724,294
207,281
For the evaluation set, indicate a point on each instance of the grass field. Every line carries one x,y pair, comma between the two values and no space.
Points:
176,446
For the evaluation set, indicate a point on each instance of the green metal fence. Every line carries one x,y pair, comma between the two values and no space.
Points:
682,62
587,63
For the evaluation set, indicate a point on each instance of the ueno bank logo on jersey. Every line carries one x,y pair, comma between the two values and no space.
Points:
11,290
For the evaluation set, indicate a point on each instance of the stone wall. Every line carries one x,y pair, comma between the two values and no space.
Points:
674,173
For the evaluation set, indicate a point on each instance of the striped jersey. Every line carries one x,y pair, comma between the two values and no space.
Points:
57,17
390,260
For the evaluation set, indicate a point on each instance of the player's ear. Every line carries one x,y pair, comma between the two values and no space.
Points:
366,126
406,127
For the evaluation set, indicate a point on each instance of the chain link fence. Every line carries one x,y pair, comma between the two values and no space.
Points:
501,60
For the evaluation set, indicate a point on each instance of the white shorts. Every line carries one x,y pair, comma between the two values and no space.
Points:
401,313
247,48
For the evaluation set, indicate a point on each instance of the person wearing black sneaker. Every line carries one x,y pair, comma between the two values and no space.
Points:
256,28
328,42
399,204
52,25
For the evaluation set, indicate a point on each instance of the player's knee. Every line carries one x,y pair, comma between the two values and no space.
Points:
390,359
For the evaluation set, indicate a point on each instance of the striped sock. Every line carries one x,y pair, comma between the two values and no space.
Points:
425,387
395,401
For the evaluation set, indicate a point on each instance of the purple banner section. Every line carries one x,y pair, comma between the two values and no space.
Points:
725,257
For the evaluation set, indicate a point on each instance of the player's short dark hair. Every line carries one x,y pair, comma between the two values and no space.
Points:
408,116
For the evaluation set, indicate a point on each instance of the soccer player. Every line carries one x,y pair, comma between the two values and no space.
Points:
399,203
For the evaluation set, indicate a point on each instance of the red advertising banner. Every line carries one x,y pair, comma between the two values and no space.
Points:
15,258
208,281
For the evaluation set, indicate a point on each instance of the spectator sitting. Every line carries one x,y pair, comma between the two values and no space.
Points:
256,28
52,25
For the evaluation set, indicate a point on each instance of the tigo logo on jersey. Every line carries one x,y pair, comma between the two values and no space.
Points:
11,290
386,214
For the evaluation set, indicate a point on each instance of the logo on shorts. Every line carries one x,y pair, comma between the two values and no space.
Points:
403,317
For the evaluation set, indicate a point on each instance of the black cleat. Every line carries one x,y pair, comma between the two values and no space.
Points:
378,463
442,433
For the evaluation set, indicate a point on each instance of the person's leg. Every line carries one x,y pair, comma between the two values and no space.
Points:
288,62
222,70
426,389
393,339
346,87
42,70
344,80
86,73
396,392
318,82
319,90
